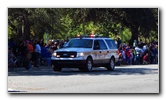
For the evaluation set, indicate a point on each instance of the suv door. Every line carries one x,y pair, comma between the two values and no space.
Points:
100,50
112,48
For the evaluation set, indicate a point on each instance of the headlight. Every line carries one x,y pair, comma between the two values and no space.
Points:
54,54
80,54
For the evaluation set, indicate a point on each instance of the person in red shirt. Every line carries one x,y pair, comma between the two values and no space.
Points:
145,59
30,47
30,50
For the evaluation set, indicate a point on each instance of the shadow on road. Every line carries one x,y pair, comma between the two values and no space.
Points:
47,71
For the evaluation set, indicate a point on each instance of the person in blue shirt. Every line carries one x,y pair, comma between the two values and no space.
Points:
46,56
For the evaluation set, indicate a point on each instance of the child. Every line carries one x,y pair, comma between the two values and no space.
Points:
145,59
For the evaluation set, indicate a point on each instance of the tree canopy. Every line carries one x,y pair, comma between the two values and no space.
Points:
61,23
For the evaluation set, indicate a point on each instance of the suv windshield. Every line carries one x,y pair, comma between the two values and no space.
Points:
82,43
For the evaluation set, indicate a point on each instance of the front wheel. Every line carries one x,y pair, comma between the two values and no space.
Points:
89,64
111,64
56,68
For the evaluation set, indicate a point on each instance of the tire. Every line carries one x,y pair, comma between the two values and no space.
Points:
55,68
111,65
89,64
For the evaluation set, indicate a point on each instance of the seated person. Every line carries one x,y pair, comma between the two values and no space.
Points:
11,60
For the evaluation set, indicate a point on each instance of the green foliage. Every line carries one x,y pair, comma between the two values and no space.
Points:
126,35
62,23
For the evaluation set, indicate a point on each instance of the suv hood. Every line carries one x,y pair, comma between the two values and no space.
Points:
74,49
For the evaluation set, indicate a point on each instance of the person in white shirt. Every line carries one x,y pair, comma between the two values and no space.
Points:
37,54
141,53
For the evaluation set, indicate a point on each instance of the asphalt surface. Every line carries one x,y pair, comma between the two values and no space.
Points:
124,79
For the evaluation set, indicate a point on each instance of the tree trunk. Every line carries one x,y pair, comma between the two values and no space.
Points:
83,26
26,29
134,35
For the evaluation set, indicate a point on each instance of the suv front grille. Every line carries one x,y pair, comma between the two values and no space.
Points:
67,54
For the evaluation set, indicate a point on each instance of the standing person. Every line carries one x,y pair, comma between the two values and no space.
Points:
145,59
152,52
27,57
118,42
140,43
124,55
120,60
46,56
37,54
30,46
141,53
134,43
156,56
134,56
23,54
131,57
11,43
29,54
128,55
41,42
61,44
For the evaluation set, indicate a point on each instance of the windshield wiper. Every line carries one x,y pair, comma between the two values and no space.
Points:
67,46
78,46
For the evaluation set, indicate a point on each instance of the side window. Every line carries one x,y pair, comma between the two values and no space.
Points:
102,45
111,44
114,45
96,45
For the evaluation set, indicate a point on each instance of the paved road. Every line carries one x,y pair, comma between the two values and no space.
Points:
125,79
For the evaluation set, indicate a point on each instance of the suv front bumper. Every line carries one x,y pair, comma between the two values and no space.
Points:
69,63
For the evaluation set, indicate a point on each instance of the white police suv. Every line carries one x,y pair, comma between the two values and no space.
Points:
85,53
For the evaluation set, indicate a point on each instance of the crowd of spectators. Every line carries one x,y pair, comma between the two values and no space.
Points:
138,53
34,53
31,53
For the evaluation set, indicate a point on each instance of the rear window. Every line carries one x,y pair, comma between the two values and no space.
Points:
111,44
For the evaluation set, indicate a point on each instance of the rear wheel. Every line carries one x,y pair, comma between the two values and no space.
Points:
111,64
